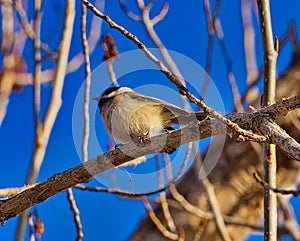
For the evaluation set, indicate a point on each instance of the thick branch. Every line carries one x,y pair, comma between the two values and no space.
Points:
174,79
84,172
277,135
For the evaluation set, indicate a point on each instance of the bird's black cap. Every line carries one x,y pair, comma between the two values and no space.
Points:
109,91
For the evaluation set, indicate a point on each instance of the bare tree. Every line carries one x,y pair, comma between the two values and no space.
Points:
225,205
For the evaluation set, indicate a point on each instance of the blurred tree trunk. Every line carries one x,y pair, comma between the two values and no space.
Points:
238,194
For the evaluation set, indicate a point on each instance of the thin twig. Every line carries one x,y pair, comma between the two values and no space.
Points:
7,27
174,79
270,58
187,206
210,19
149,26
28,28
11,191
12,206
55,101
86,53
162,13
7,79
129,13
54,106
36,103
227,219
157,222
37,70
163,198
111,72
275,189
252,91
249,41
23,79
234,88
76,213
216,210
171,182
199,230
290,224
111,53
212,198
31,226
294,36
38,226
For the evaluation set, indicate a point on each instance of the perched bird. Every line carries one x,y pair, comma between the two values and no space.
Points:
129,116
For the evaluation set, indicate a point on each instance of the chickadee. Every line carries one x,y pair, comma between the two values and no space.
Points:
129,116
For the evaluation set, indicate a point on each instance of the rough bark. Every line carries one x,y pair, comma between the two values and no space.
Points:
238,194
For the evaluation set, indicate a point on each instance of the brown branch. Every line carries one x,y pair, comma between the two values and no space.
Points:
111,53
166,211
182,203
44,129
249,41
171,181
37,68
187,206
213,202
22,79
157,222
290,225
84,172
86,53
209,48
230,75
29,220
149,26
216,210
7,77
129,13
163,198
174,79
162,13
277,135
11,191
7,27
275,189
210,19
252,91
36,163
76,213
28,28
270,162
239,196
55,101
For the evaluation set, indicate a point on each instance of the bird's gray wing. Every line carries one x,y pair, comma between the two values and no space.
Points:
175,110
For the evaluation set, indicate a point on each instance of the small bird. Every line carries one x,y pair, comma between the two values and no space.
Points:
129,116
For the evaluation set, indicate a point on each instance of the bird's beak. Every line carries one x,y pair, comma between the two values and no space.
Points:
96,99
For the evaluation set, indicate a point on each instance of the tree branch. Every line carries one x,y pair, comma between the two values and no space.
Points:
270,58
40,192
174,79
76,213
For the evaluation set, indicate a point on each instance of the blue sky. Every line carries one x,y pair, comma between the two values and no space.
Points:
184,31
